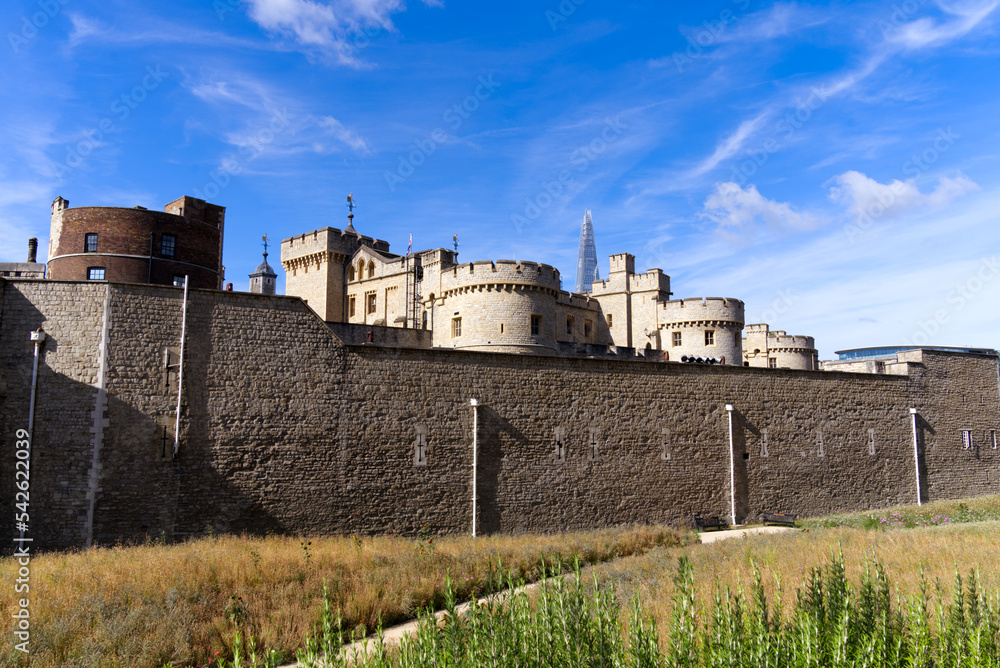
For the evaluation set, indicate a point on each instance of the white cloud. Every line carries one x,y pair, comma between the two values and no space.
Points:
343,134
730,145
866,197
731,206
926,32
327,25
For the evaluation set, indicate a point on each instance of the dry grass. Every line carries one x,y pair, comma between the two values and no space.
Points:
150,605
936,552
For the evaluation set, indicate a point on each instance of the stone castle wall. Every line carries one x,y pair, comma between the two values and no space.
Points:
287,428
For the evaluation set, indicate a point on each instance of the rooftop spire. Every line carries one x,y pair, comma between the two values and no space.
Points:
350,215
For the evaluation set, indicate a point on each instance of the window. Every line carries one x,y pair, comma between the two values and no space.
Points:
709,337
350,273
569,325
993,438
456,327
610,321
967,440
95,274
361,269
423,319
371,303
179,281
772,363
536,324
371,269
587,327
168,244
676,339
351,305
501,328
90,242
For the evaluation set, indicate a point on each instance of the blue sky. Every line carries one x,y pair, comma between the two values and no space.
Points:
834,165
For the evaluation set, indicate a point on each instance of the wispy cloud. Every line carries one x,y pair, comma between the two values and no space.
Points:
731,145
327,26
927,32
343,134
143,32
266,119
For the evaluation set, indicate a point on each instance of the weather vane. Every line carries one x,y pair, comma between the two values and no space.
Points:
455,239
350,203
265,244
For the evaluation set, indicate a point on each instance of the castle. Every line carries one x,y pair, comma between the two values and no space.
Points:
519,307
156,410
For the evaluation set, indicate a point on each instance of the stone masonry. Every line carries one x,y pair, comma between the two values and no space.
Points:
287,428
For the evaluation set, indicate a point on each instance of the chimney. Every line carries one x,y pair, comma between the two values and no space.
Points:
32,249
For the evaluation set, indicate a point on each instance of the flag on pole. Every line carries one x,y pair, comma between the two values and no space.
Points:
409,248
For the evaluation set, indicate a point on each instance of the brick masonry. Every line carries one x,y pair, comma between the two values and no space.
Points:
286,427
129,243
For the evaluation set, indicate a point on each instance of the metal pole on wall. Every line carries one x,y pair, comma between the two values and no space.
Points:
475,458
916,453
38,336
732,465
180,371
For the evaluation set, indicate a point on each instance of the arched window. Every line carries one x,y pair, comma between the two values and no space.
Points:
371,269
423,320
350,273
361,269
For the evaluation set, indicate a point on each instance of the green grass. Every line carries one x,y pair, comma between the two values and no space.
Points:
960,511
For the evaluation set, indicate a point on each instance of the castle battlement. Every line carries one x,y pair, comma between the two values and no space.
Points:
501,271
703,308
764,348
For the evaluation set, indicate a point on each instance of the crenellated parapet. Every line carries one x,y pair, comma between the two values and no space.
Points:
323,245
703,310
500,275
766,349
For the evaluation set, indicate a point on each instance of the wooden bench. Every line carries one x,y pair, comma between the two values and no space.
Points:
702,522
785,519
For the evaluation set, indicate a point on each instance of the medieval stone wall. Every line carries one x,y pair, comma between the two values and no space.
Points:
286,428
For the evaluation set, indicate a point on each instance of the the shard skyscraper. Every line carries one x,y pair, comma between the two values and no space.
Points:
586,265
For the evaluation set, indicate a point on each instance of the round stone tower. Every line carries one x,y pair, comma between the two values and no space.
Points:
711,327
504,306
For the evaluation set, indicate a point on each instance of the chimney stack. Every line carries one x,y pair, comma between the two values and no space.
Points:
32,249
